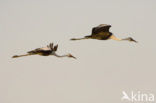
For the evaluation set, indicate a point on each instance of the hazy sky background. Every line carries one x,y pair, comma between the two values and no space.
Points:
103,68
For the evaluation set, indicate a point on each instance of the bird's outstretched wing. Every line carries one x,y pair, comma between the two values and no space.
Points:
44,49
51,46
100,28
39,50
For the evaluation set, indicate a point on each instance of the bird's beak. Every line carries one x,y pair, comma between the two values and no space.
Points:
131,39
134,41
72,56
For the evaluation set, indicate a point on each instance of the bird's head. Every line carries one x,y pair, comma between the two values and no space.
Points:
71,56
131,39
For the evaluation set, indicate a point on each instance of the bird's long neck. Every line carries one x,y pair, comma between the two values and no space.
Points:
127,39
115,38
60,55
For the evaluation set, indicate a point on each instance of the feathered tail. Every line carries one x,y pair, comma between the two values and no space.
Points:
16,56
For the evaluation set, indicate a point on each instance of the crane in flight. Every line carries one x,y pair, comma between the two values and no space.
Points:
45,51
102,32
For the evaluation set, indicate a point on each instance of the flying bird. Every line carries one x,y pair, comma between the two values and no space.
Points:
102,32
45,51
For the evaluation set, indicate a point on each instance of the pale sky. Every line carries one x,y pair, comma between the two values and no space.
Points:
103,68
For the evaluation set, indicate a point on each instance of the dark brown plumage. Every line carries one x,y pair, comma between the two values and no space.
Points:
45,51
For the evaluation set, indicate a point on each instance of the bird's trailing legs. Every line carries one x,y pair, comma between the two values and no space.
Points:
79,38
16,56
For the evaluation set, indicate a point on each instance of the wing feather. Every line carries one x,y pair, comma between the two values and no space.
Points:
51,46
100,28
55,47
47,49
